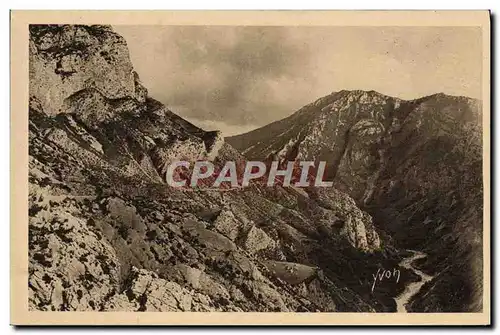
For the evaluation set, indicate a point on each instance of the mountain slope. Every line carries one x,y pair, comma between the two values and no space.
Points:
415,166
107,233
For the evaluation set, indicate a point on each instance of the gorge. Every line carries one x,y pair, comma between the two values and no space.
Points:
107,232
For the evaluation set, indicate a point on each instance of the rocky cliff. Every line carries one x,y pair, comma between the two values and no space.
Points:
106,232
415,166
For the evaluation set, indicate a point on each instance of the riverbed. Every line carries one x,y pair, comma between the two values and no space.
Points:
412,288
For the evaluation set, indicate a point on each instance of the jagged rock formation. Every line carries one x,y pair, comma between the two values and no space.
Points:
67,59
415,166
107,233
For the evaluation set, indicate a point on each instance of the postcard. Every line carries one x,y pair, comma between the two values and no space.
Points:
250,168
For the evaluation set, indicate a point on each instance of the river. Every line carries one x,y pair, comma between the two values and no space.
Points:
412,288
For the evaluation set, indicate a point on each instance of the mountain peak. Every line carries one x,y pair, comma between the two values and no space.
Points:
332,124
360,92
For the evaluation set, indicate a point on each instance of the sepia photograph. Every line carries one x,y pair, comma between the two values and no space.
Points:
319,167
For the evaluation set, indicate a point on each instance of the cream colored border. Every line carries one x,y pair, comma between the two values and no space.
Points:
19,160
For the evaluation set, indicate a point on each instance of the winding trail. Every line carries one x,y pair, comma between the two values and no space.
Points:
412,288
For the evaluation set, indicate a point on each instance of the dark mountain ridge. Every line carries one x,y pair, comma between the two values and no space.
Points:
415,166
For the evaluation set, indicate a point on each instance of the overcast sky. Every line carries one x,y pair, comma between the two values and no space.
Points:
238,78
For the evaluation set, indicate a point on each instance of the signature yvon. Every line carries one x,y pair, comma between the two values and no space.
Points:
382,275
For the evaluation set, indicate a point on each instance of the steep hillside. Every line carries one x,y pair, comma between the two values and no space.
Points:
415,166
107,233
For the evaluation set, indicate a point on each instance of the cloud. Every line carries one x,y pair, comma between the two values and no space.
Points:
218,73
239,75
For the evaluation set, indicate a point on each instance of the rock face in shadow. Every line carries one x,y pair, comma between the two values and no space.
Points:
415,166
107,233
